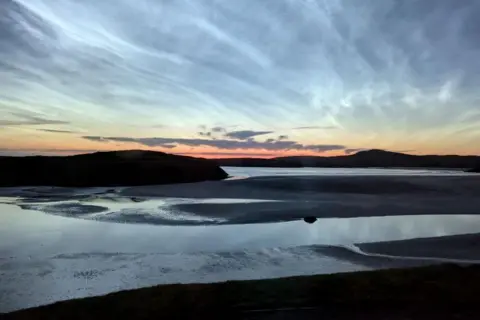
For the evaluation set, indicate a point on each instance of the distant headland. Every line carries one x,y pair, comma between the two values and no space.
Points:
362,159
113,168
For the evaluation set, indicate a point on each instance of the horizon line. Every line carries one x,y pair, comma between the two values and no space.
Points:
207,155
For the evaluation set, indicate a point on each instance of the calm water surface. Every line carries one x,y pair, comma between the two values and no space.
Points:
258,172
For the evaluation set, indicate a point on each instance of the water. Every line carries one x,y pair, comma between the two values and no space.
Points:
45,258
258,172
38,232
61,247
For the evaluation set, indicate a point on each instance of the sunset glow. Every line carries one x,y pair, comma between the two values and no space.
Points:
239,78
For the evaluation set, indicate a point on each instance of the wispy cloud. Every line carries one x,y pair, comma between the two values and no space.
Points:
219,129
57,131
315,127
273,145
27,119
245,134
232,154
205,134
50,152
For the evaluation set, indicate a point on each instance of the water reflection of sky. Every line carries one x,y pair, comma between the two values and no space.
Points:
46,258
27,230
261,172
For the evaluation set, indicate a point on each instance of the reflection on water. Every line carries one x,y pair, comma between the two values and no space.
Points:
35,228
258,172
46,258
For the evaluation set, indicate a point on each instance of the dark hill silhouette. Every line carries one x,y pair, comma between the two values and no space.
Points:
113,168
362,159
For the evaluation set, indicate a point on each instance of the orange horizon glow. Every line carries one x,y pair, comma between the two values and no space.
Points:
201,154
16,142
210,154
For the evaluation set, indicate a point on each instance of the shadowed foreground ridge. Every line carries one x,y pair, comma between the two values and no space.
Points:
442,292
114,168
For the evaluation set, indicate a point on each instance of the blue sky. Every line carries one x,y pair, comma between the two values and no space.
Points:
239,77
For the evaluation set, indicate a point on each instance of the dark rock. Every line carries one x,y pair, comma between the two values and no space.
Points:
113,168
309,219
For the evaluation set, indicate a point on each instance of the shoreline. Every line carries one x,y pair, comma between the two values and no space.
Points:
455,247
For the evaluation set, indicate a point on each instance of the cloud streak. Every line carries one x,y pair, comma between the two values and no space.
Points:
315,127
245,134
49,152
57,131
219,129
232,154
29,120
223,144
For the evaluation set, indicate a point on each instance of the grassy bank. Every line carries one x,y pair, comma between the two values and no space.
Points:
445,292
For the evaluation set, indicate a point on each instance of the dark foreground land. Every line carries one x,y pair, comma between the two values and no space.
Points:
436,292
114,168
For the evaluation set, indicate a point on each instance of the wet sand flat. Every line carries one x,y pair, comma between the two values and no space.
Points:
458,247
310,187
326,196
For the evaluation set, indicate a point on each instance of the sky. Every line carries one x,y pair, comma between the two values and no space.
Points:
239,78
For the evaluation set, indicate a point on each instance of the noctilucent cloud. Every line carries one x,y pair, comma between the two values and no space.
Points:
240,77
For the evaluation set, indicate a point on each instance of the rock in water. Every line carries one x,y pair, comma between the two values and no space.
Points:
309,219
113,168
